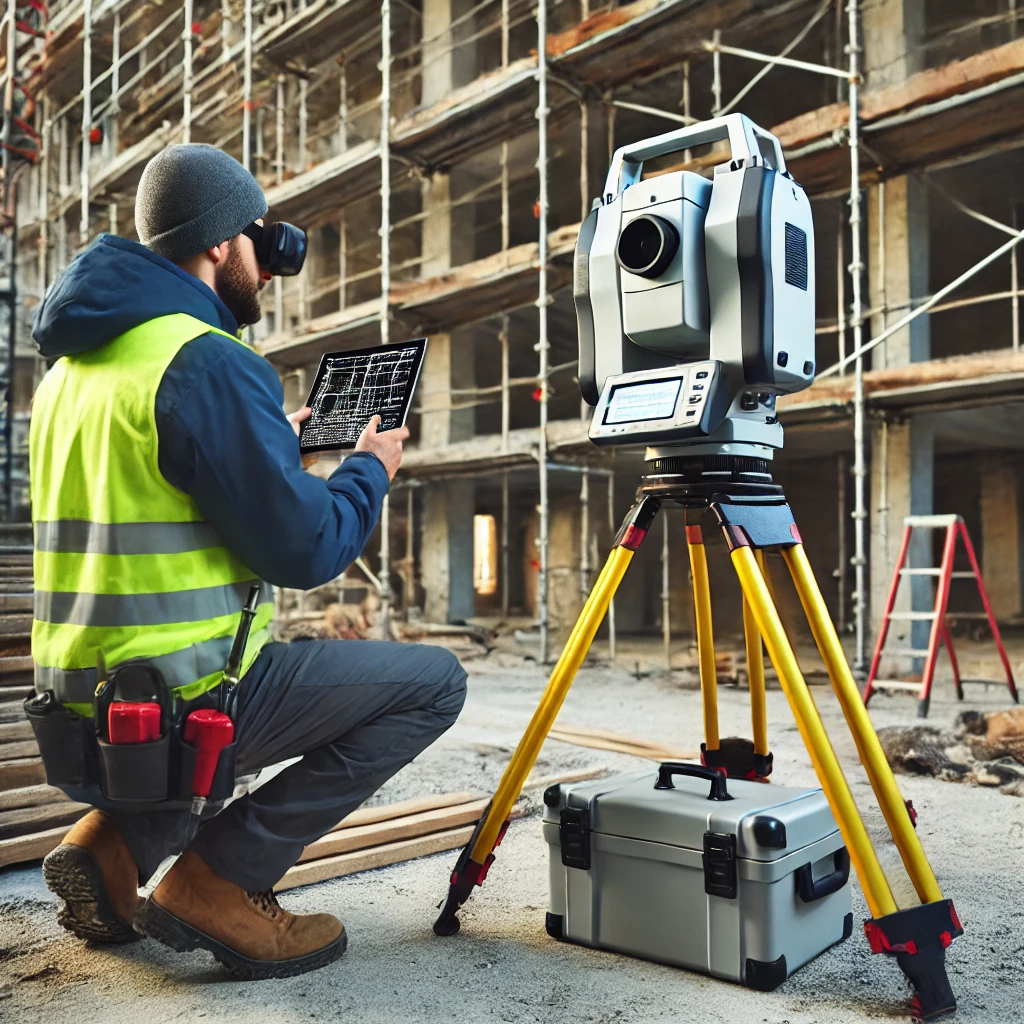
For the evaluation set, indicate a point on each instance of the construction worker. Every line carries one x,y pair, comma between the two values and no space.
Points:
166,480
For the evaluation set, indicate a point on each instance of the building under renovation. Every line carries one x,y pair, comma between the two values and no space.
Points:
442,153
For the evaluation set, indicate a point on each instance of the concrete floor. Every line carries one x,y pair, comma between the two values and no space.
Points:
502,966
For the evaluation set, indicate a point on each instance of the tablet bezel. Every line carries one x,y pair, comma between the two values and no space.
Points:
419,343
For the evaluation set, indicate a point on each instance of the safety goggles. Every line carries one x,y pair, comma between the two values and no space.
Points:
280,247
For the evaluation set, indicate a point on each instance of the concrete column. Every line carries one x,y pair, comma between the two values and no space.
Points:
898,268
1002,553
447,559
902,454
902,484
893,31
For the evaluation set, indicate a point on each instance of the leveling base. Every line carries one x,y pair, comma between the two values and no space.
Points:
754,516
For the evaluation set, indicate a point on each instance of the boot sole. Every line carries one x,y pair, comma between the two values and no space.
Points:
152,920
74,874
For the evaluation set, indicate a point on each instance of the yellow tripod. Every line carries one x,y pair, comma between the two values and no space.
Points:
754,516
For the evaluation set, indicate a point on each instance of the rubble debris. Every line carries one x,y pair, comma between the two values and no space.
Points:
981,749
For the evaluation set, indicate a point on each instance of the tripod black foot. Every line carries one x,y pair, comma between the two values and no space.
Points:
738,759
466,875
918,938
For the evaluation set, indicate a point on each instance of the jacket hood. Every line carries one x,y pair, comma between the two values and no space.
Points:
115,285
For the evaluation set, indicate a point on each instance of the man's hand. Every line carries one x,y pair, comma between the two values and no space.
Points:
386,446
295,419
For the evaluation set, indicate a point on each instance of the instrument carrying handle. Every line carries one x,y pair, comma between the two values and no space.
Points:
811,890
745,140
713,775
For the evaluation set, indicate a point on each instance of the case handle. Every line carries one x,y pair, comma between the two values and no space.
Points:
811,890
713,775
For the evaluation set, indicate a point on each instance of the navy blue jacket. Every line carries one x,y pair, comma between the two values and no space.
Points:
223,437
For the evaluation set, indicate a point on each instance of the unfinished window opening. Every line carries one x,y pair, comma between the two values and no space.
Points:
485,555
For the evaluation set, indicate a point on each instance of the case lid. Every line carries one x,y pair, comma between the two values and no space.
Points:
769,821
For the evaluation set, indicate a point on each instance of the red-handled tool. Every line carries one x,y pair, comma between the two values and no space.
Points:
133,721
209,732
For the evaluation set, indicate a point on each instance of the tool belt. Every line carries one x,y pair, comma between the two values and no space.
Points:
132,754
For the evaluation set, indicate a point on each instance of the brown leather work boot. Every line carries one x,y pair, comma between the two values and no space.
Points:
96,876
250,933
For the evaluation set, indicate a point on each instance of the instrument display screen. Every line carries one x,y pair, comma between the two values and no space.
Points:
655,400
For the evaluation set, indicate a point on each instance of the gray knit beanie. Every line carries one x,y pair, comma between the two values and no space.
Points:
193,197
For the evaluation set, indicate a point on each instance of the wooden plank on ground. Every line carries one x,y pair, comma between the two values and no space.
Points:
367,860
31,796
602,739
28,821
27,771
26,848
359,837
10,749
385,812
15,731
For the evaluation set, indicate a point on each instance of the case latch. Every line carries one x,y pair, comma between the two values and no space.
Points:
719,865
574,837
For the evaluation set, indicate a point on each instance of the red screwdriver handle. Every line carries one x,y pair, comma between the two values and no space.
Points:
209,732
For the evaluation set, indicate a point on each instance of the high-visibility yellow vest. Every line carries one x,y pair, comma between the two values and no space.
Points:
124,562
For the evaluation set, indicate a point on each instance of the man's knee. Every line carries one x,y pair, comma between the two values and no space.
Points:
448,681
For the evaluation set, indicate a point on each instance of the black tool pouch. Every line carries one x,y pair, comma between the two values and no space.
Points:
141,777
134,772
66,742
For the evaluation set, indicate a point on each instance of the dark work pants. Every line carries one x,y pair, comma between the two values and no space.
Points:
355,710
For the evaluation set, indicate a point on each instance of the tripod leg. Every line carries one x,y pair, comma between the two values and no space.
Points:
755,675
705,635
475,859
868,746
862,853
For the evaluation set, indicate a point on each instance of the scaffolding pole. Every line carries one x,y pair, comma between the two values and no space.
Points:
45,141
247,86
666,596
542,311
83,225
585,534
506,406
504,546
841,285
857,322
186,77
611,529
410,556
115,86
385,284
842,563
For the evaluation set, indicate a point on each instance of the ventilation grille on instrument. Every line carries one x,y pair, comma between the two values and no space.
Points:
796,257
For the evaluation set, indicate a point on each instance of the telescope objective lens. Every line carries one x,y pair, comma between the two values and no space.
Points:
647,245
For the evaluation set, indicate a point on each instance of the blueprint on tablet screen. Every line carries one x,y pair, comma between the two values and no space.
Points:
354,387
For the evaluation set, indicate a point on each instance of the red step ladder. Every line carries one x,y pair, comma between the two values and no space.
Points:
954,527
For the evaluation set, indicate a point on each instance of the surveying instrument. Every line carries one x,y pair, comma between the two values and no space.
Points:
695,307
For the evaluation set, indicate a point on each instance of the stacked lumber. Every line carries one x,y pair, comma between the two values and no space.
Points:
28,807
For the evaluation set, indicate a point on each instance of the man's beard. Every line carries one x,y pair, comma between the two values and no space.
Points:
236,289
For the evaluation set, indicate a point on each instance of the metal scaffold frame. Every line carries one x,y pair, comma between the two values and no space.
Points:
294,154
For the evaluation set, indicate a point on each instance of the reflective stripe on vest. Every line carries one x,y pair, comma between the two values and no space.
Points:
124,562
124,538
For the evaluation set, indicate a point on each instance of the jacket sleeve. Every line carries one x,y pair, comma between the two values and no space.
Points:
225,441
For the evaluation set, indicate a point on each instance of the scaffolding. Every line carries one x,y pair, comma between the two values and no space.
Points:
322,100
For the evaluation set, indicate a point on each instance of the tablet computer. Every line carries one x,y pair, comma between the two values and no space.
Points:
351,387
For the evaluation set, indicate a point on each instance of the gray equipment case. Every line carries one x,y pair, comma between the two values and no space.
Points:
740,880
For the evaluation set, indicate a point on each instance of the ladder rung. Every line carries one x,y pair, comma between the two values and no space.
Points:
964,574
904,652
913,616
968,615
895,684
931,522
986,682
